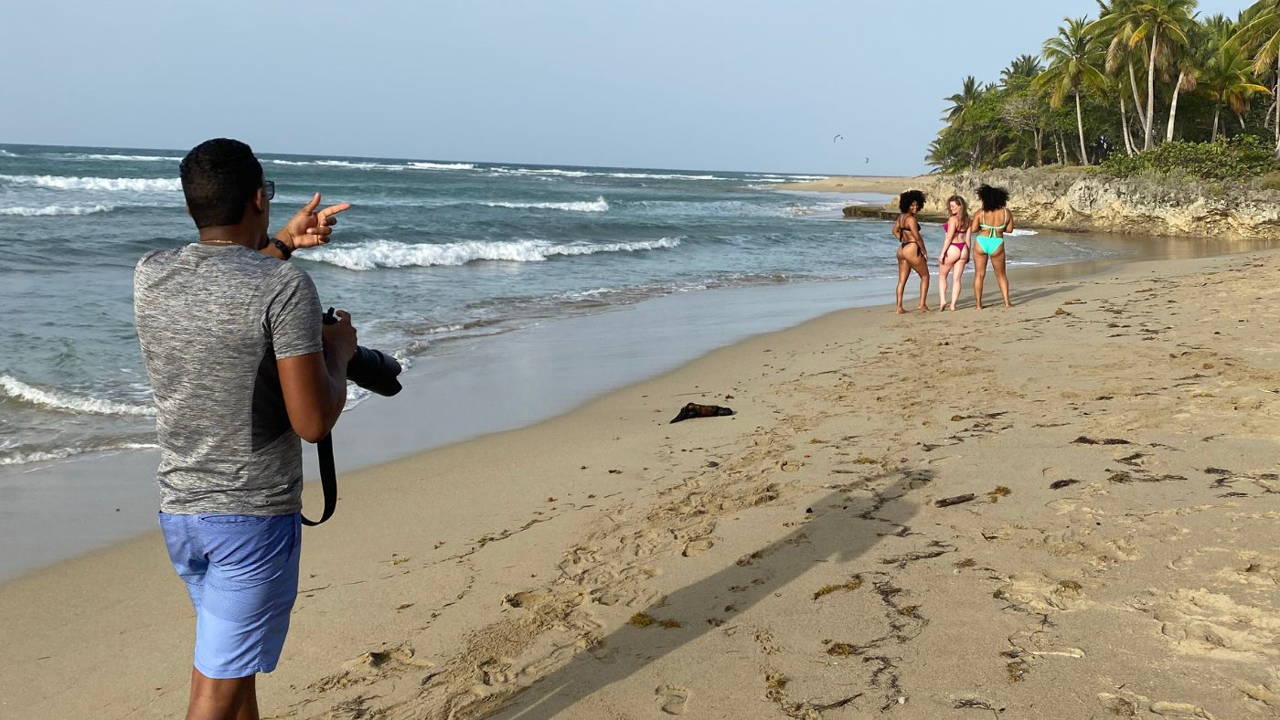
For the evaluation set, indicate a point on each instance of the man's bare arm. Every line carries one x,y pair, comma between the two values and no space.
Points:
315,385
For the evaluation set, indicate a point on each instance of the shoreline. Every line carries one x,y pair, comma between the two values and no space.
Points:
880,185
490,388
697,513
501,383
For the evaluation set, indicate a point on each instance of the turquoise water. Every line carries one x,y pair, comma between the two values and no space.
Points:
433,255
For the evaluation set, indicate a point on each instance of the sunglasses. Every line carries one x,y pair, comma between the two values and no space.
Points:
269,187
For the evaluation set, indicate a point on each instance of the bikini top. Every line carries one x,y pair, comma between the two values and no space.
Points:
899,229
993,228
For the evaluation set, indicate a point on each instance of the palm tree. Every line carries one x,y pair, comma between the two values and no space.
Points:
964,101
1190,58
1023,68
1156,26
1260,31
1073,64
1227,79
962,107
1114,27
1218,29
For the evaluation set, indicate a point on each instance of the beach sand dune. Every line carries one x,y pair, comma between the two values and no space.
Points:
1061,510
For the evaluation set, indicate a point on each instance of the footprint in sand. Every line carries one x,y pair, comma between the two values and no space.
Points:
672,699
1204,623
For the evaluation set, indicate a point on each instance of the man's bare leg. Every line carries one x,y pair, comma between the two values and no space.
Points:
222,699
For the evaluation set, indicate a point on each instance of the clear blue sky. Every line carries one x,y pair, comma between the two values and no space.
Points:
741,85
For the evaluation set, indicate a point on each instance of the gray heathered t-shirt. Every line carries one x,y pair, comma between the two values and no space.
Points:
212,320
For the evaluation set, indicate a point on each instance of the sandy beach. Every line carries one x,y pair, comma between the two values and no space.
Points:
886,185
1060,510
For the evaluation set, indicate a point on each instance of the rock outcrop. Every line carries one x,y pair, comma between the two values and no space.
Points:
1075,200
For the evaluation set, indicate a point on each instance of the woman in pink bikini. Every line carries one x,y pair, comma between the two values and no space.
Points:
955,250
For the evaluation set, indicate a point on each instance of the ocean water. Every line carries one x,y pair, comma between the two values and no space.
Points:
433,256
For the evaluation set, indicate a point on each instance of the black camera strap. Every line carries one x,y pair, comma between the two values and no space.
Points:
328,480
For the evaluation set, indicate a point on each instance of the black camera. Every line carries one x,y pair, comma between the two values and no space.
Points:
371,369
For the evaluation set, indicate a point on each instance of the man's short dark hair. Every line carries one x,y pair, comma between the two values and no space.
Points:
908,197
993,198
219,177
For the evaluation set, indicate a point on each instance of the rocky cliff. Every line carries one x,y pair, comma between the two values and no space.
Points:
1073,199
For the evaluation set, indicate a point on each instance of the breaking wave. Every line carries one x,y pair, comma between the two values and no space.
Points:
124,158
58,182
391,254
56,210
597,205
66,402
16,457
441,166
586,173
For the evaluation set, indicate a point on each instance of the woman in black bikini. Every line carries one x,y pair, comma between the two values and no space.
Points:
911,251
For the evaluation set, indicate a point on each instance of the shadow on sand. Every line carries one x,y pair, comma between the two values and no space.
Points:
841,529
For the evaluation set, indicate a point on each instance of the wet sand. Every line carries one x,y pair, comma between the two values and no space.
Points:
1116,433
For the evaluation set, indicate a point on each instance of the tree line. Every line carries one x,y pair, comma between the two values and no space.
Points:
1140,74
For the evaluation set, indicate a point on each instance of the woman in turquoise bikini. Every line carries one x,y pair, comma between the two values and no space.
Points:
989,227
911,252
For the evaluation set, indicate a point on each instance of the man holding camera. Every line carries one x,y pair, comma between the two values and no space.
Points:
241,368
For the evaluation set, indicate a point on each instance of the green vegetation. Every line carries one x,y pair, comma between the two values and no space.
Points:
1244,156
1149,86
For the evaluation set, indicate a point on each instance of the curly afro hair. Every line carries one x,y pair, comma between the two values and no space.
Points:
908,197
993,198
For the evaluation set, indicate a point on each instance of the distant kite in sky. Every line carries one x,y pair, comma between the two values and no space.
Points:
837,137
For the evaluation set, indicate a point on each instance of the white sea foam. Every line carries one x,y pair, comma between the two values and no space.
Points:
339,163
1018,231
124,158
441,166
58,182
584,173
56,210
58,400
540,171
6,153
594,206
34,456
357,165
391,254
665,176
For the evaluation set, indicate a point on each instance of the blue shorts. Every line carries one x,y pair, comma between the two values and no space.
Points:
241,572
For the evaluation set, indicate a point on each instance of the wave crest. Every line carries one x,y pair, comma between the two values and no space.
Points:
17,457
124,158
586,173
58,182
441,166
355,165
391,254
597,205
66,402
56,210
